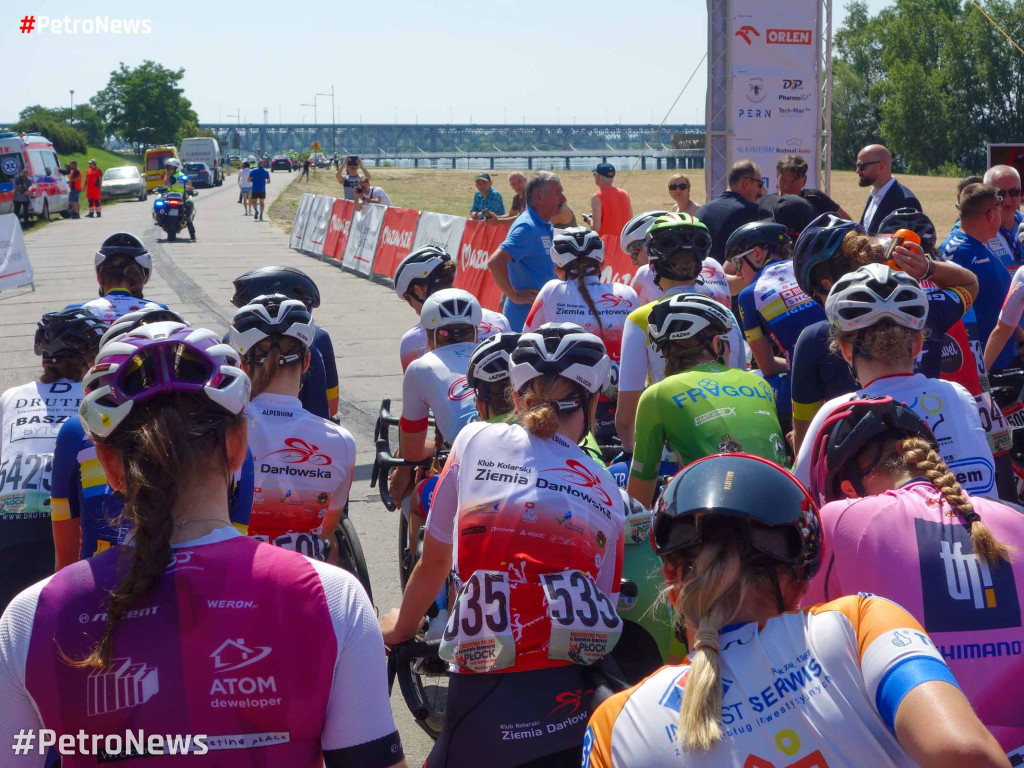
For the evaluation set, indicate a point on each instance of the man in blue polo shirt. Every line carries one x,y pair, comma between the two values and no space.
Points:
487,202
259,178
522,264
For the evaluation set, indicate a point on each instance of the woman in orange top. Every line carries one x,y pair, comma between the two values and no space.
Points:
93,177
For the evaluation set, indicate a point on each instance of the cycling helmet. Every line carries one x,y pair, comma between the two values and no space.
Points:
173,162
124,245
263,281
576,243
450,306
766,234
132,320
686,316
674,232
819,243
491,361
274,315
423,264
564,349
845,433
873,293
155,360
915,221
68,333
635,231
791,211
774,512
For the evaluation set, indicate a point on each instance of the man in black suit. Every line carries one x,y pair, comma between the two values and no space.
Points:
874,167
732,209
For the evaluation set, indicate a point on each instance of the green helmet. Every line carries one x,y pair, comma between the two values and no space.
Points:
672,234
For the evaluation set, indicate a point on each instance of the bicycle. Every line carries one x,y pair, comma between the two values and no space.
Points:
350,551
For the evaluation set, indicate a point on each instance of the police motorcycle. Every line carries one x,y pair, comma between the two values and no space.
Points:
174,211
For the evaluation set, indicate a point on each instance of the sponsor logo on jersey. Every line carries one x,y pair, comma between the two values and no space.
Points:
575,473
729,445
611,301
529,512
711,388
298,451
501,472
473,529
569,702
718,413
460,390
235,654
121,685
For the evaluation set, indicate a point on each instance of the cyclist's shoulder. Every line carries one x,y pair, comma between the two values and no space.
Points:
639,315
71,435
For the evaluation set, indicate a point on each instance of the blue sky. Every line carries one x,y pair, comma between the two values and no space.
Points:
460,61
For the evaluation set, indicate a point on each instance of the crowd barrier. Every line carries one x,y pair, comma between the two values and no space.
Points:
374,240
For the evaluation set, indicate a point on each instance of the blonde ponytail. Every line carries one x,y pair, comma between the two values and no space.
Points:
540,417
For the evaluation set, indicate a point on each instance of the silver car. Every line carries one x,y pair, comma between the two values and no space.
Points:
125,181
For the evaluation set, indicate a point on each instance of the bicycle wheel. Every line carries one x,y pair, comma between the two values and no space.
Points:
350,553
430,677
405,561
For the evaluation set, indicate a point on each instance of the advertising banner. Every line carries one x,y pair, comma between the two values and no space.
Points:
617,267
337,229
479,241
15,270
319,221
314,209
362,238
299,225
439,229
396,238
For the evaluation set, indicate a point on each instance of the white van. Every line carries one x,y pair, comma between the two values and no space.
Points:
204,150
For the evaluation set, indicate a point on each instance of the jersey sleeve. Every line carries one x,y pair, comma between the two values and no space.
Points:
408,348
240,503
314,389
18,712
945,308
807,389
415,410
597,741
748,314
802,468
650,437
633,358
64,478
1013,304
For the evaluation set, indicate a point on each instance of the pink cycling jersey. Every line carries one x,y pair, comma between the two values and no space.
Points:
274,657
909,546
414,342
436,383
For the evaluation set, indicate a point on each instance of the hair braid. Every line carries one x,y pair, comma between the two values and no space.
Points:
581,271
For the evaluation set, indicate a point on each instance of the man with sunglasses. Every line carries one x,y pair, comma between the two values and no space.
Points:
732,209
1007,245
874,169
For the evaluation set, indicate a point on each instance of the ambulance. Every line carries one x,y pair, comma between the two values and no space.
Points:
154,161
48,193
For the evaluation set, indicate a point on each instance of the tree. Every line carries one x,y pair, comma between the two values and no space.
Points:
144,105
66,140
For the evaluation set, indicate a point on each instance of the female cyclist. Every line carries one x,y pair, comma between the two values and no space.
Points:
702,406
900,525
123,267
850,683
878,315
31,416
304,464
193,623
536,530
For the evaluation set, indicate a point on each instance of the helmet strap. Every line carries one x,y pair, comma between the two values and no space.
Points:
777,589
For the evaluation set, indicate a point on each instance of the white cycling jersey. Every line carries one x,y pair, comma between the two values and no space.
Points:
116,303
711,283
948,409
414,342
436,383
303,466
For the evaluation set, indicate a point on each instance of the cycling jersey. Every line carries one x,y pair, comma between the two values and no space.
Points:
711,282
436,383
79,491
774,305
303,465
904,545
949,411
275,657
815,687
706,410
414,342
818,373
118,302
537,529
322,343
641,363
643,284
1013,305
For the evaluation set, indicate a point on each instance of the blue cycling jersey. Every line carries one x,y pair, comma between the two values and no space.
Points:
322,344
774,305
313,394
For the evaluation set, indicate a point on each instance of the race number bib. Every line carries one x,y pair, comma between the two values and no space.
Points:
994,423
25,484
307,544
478,636
584,623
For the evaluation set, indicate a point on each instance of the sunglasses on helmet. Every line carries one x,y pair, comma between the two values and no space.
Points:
665,244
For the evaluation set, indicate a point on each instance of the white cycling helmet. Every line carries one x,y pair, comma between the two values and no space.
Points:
450,306
564,349
576,243
129,321
173,162
683,316
271,315
636,229
423,264
874,293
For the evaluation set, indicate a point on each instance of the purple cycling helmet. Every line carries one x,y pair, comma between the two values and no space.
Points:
158,359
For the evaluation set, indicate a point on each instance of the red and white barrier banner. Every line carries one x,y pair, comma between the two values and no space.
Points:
396,238
479,241
295,241
15,270
319,221
440,229
316,208
617,267
362,238
338,228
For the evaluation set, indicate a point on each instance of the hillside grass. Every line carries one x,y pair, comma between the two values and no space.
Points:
104,158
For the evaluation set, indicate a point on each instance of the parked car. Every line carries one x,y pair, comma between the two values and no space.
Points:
125,181
48,192
281,163
155,159
198,173
204,149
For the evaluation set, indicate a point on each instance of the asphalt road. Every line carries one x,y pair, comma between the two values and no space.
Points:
365,320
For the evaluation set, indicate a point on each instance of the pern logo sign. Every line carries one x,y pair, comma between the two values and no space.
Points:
792,85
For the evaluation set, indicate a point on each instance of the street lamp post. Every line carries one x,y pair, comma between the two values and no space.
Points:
334,144
71,119
315,125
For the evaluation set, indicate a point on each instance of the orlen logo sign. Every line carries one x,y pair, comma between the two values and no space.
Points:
339,224
775,36
397,238
473,259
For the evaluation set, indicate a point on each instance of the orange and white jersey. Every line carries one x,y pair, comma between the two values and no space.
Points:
816,687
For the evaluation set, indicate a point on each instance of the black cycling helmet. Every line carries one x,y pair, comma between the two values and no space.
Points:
771,509
124,246
672,234
73,332
791,211
820,244
846,432
915,221
491,362
766,234
425,266
264,281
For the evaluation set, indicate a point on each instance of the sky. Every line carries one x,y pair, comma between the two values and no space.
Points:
533,61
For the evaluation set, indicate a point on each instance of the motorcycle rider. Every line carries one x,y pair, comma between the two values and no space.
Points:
176,181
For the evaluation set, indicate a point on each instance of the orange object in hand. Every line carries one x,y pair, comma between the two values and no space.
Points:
902,236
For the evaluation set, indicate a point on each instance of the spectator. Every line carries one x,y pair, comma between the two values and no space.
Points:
610,208
517,180
790,179
368,194
522,264
1006,245
245,186
259,177
874,167
564,218
679,189
732,209
21,198
74,188
794,212
350,175
487,200
93,193
305,169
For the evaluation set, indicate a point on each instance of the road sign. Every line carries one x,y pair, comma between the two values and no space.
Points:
315,146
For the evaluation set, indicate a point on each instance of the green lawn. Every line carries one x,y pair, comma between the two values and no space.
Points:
102,157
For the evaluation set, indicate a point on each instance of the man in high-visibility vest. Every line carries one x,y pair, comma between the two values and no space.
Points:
176,181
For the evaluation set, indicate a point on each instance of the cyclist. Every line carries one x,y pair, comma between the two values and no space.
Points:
85,512
901,526
30,416
852,682
123,267
535,528
323,368
421,274
304,464
701,406
166,412
488,375
879,315
677,245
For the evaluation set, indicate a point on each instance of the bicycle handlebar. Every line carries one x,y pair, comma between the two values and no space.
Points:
385,459
398,666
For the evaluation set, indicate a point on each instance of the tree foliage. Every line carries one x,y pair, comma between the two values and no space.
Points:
66,140
85,119
933,80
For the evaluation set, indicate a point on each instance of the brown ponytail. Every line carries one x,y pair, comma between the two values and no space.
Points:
540,416
683,355
886,340
579,270
71,367
262,374
123,275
